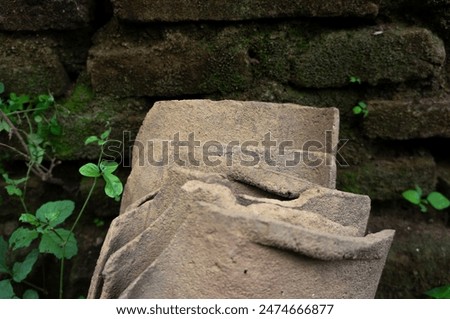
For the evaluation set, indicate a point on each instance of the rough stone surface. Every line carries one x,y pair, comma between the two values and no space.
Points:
386,179
127,61
34,15
228,220
397,55
29,65
411,119
181,10
217,231
240,128
419,256
204,59
443,174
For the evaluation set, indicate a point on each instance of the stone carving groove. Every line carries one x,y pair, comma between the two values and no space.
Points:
239,231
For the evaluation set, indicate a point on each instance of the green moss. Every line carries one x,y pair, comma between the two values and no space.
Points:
228,68
334,56
79,100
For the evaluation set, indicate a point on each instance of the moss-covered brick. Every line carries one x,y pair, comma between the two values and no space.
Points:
408,119
30,65
386,179
398,54
83,115
195,10
34,15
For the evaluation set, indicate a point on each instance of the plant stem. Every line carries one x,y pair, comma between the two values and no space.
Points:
45,292
84,205
26,181
14,130
61,276
23,204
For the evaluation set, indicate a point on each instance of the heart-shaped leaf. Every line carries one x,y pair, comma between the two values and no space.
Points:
90,170
55,213
438,201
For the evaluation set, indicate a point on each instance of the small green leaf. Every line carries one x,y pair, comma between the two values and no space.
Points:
55,128
108,167
22,269
53,243
14,181
13,190
99,222
113,186
30,294
105,134
4,126
362,104
90,170
6,289
439,292
36,153
3,251
45,101
438,201
38,119
55,213
2,88
29,218
22,237
412,196
91,139
357,110
354,79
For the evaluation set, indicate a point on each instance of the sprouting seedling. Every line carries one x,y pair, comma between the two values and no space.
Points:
361,108
355,79
437,200
104,169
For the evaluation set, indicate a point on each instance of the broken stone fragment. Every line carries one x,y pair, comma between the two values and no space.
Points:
200,227
268,222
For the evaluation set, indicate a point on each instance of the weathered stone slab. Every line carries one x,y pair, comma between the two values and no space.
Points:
216,227
163,215
195,10
204,134
179,60
408,119
225,247
397,55
127,61
34,15
29,65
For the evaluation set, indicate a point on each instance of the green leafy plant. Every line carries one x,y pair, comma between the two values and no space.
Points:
435,199
98,222
43,231
39,116
355,80
439,292
44,227
103,169
361,108
17,272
